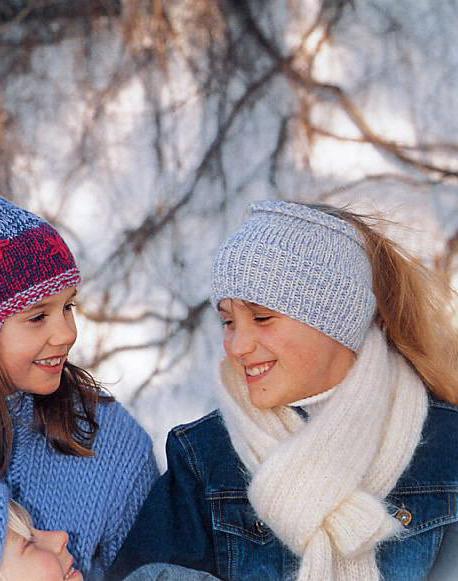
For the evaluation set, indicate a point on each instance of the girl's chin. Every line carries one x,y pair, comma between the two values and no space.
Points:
265,398
41,389
261,398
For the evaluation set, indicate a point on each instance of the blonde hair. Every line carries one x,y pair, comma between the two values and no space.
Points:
19,523
415,307
19,520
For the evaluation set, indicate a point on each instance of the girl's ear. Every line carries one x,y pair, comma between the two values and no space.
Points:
379,321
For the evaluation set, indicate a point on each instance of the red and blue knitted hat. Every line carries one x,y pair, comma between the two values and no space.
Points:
35,262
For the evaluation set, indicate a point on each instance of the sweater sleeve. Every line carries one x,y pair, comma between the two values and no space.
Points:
174,525
135,469
4,500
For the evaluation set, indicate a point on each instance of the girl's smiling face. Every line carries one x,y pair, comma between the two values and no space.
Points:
34,344
284,360
44,558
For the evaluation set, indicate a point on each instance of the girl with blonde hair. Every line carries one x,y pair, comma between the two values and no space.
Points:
35,555
334,452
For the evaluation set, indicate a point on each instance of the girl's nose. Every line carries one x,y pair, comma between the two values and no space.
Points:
63,332
239,343
53,541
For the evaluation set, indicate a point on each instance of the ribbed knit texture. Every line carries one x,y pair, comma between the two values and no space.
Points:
300,262
35,262
94,499
313,403
320,485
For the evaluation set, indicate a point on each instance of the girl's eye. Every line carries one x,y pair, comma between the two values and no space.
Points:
70,306
38,318
261,319
27,543
225,323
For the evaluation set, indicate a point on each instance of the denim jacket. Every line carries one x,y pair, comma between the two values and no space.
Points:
198,515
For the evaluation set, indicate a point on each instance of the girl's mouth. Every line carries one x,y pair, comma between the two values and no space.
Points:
259,371
72,572
52,365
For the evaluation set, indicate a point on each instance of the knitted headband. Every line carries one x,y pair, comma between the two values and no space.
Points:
35,262
301,262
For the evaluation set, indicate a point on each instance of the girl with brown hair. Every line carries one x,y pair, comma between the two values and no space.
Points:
69,453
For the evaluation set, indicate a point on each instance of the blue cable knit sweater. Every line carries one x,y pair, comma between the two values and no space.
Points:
94,499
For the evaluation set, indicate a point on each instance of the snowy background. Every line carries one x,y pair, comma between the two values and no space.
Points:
143,128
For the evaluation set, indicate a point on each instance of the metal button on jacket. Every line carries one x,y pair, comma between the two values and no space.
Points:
404,516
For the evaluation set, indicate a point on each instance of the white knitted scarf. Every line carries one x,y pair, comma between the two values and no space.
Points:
320,485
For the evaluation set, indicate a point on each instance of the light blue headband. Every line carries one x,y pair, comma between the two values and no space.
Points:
301,262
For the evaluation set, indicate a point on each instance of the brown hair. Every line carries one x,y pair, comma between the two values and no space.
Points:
415,306
66,417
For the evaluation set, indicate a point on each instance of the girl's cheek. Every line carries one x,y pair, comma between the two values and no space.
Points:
48,565
227,343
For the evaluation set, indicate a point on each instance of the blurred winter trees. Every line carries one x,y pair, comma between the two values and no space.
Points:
143,128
